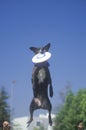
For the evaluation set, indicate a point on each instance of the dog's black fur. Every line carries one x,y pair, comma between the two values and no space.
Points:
41,79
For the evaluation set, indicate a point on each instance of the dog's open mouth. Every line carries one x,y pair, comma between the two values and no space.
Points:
40,55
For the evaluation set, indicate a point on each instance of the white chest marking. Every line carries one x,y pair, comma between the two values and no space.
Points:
41,75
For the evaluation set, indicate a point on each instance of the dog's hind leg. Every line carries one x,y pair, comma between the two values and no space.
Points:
47,105
31,118
31,109
35,104
50,120
49,110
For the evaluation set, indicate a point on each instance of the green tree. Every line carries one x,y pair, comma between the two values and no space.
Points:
72,112
4,107
62,97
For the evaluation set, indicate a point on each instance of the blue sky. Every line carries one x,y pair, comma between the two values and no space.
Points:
35,23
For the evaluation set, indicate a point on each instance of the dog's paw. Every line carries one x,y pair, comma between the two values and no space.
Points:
28,123
50,122
51,93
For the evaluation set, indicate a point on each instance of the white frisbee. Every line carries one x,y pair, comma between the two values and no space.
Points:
39,58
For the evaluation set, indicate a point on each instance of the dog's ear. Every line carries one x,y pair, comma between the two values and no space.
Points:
34,49
47,47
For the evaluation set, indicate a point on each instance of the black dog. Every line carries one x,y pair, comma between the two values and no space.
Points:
41,79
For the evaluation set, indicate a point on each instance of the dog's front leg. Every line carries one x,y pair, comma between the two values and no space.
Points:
50,83
34,89
51,88
34,73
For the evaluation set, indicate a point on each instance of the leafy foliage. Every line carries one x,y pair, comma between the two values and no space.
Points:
4,108
72,112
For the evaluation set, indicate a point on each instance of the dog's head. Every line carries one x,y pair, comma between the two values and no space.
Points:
41,49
